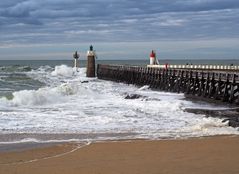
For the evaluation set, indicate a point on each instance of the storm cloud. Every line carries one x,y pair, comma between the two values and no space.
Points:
34,22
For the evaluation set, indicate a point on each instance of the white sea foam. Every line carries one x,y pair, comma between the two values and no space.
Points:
34,140
42,96
66,105
62,70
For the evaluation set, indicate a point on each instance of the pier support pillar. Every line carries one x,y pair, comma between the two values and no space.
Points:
90,72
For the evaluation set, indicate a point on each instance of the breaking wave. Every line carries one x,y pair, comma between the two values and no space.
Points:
42,96
63,70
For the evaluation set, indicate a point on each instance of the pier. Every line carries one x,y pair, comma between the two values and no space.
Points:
206,82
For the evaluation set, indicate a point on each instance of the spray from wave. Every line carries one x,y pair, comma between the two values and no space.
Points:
63,70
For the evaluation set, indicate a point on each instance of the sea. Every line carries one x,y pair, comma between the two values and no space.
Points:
49,101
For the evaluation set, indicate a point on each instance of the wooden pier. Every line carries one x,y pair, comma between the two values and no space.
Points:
218,85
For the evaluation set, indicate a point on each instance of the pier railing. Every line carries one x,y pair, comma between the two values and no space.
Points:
215,85
197,67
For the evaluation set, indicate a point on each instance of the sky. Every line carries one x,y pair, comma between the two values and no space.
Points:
119,29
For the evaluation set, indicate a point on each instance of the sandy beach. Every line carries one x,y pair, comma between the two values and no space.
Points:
197,155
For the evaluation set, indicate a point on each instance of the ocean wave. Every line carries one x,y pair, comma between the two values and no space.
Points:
63,70
42,96
55,76
56,91
15,68
67,105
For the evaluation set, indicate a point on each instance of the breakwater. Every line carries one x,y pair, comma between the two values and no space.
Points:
213,85
199,67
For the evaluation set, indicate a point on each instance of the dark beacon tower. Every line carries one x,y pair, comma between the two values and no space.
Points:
76,63
90,72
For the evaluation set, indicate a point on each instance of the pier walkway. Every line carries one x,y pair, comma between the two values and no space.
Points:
208,83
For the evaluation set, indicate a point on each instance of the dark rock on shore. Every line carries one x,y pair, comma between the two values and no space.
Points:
230,115
233,122
85,81
133,96
137,96
152,99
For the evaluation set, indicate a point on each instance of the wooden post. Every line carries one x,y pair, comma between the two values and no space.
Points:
225,94
180,81
161,86
232,93
218,88
211,86
195,84
206,88
189,83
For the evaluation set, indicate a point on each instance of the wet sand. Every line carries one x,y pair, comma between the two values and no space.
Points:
219,155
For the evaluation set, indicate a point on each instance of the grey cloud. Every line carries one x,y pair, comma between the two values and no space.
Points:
113,20
21,9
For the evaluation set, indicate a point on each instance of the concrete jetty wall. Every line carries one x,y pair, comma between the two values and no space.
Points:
213,85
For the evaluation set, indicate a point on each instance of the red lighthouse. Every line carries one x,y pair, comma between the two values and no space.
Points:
153,58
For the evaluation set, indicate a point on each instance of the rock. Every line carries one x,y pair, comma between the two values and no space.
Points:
225,120
233,123
230,115
85,81
133,96
152,99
